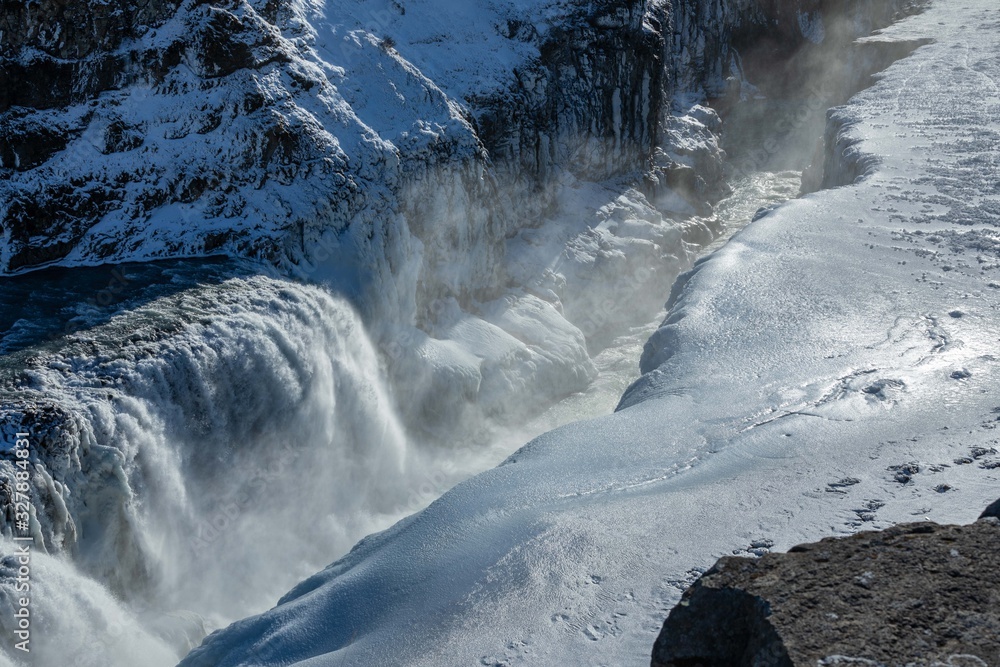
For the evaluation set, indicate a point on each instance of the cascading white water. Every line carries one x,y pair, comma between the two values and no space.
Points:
217,446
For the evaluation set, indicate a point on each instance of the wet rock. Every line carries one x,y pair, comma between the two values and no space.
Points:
914,594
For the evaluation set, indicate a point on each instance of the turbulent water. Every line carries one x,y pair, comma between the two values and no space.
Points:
221,443
225,435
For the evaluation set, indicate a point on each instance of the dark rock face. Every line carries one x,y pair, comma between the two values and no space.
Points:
601,97
135,79
91,93
49,48
992,511
839,162
185,128
915,594
607,51
805,61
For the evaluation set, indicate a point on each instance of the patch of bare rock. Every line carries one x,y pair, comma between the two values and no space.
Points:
919,594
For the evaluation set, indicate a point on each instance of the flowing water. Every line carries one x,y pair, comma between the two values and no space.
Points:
221,435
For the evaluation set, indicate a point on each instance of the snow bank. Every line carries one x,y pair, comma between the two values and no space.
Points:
803,367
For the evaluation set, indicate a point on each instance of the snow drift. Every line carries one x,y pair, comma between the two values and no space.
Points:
832,367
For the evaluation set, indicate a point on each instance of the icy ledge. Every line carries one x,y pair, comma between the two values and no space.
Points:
842,334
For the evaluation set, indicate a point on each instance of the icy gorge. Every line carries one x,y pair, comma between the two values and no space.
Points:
443,332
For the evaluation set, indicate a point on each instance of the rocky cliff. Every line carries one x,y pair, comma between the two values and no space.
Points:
408,163
914,594
298,132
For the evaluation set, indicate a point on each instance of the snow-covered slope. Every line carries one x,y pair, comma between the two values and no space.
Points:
833,367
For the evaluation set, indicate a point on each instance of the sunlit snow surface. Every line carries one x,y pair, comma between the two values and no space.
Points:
843,334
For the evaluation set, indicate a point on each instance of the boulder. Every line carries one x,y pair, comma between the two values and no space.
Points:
914,594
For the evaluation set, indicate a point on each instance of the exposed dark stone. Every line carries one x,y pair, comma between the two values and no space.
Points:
612,70
915,594
785,53
119,137
70,29
68,72
599,101
740,630
59,219
26,143
73,47
992,511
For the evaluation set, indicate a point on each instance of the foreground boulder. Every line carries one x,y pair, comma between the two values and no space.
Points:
915,594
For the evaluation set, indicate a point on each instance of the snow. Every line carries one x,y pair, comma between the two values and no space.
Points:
464,48
837,336
167,416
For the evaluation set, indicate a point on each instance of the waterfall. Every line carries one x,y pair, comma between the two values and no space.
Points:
226,436
198,456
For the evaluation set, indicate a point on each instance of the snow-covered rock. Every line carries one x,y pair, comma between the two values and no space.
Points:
366,145
368,135
261,128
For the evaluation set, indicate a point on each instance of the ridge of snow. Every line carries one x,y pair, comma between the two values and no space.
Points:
840,336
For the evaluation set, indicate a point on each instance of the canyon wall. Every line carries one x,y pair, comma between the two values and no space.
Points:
296,133
409,164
